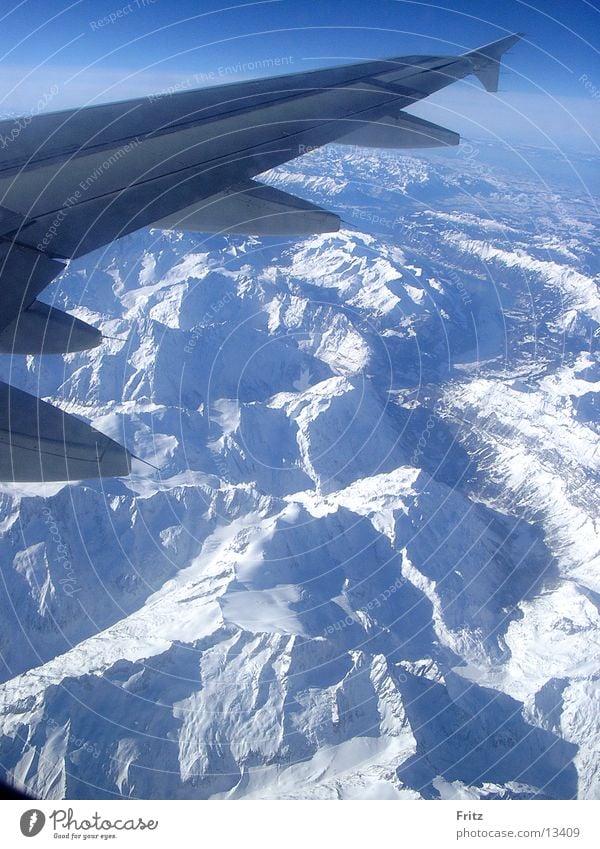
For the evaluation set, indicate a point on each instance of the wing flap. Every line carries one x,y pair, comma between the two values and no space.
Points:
9,220
405,131
253,209
24,273
42,329
39,442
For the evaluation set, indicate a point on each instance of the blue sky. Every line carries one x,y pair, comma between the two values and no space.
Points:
58,54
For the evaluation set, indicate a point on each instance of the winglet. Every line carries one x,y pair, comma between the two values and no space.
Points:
485,61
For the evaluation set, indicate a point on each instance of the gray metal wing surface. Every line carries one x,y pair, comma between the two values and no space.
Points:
73,181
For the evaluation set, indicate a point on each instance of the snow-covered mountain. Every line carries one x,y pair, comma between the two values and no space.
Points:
369,564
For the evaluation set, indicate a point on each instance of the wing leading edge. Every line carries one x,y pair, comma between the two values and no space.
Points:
74,181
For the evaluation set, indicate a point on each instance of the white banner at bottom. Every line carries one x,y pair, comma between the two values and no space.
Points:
309,824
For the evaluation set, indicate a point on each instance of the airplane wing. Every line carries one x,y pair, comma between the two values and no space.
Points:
73,181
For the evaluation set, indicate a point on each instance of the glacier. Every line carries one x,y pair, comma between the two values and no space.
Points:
367,562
